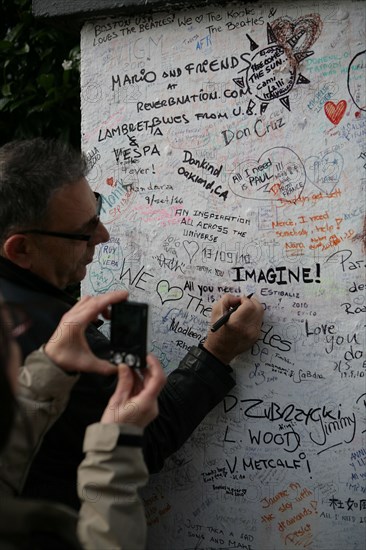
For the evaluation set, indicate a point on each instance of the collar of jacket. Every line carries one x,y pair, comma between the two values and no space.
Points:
27,279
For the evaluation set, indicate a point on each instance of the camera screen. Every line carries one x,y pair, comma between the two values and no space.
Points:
129,325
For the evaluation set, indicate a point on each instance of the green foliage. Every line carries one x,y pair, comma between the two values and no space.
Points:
39,77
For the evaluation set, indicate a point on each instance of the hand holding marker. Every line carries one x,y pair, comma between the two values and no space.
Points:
224,319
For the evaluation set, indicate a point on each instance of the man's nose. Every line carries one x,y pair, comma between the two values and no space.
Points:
101,235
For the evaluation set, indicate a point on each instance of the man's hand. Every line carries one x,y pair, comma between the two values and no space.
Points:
135,398
240,332
68,347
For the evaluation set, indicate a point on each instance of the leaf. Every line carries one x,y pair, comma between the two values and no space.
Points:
3,102
6,90
46,81
37,97
5,45
24,49
14,105
13,33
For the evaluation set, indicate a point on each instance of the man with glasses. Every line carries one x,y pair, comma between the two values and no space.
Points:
49,228
72,236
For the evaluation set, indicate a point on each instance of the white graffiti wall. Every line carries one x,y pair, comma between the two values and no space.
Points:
228,143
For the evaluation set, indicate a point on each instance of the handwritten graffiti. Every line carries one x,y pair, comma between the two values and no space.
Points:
168,293
327,426
356,80
227,142
272,72
191,247
278,173
335,111
325,170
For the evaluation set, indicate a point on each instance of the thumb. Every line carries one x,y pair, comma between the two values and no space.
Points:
125,384
119,405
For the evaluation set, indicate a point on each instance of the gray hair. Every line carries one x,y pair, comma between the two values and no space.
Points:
30,172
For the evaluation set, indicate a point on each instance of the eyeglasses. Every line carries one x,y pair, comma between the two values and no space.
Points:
15,319
71,236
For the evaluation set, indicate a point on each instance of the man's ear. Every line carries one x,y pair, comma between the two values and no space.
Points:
17,249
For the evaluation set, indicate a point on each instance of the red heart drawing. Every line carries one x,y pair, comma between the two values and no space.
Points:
335,111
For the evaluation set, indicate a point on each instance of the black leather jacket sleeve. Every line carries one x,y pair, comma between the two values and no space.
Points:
192,390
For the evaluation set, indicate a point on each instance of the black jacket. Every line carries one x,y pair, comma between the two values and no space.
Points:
198,384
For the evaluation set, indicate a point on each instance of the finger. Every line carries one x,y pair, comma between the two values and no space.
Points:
120,407
249,309
121,297
99,304
89,307
258,303
101,301
227,301
125,383
154,376
254,308
100,366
